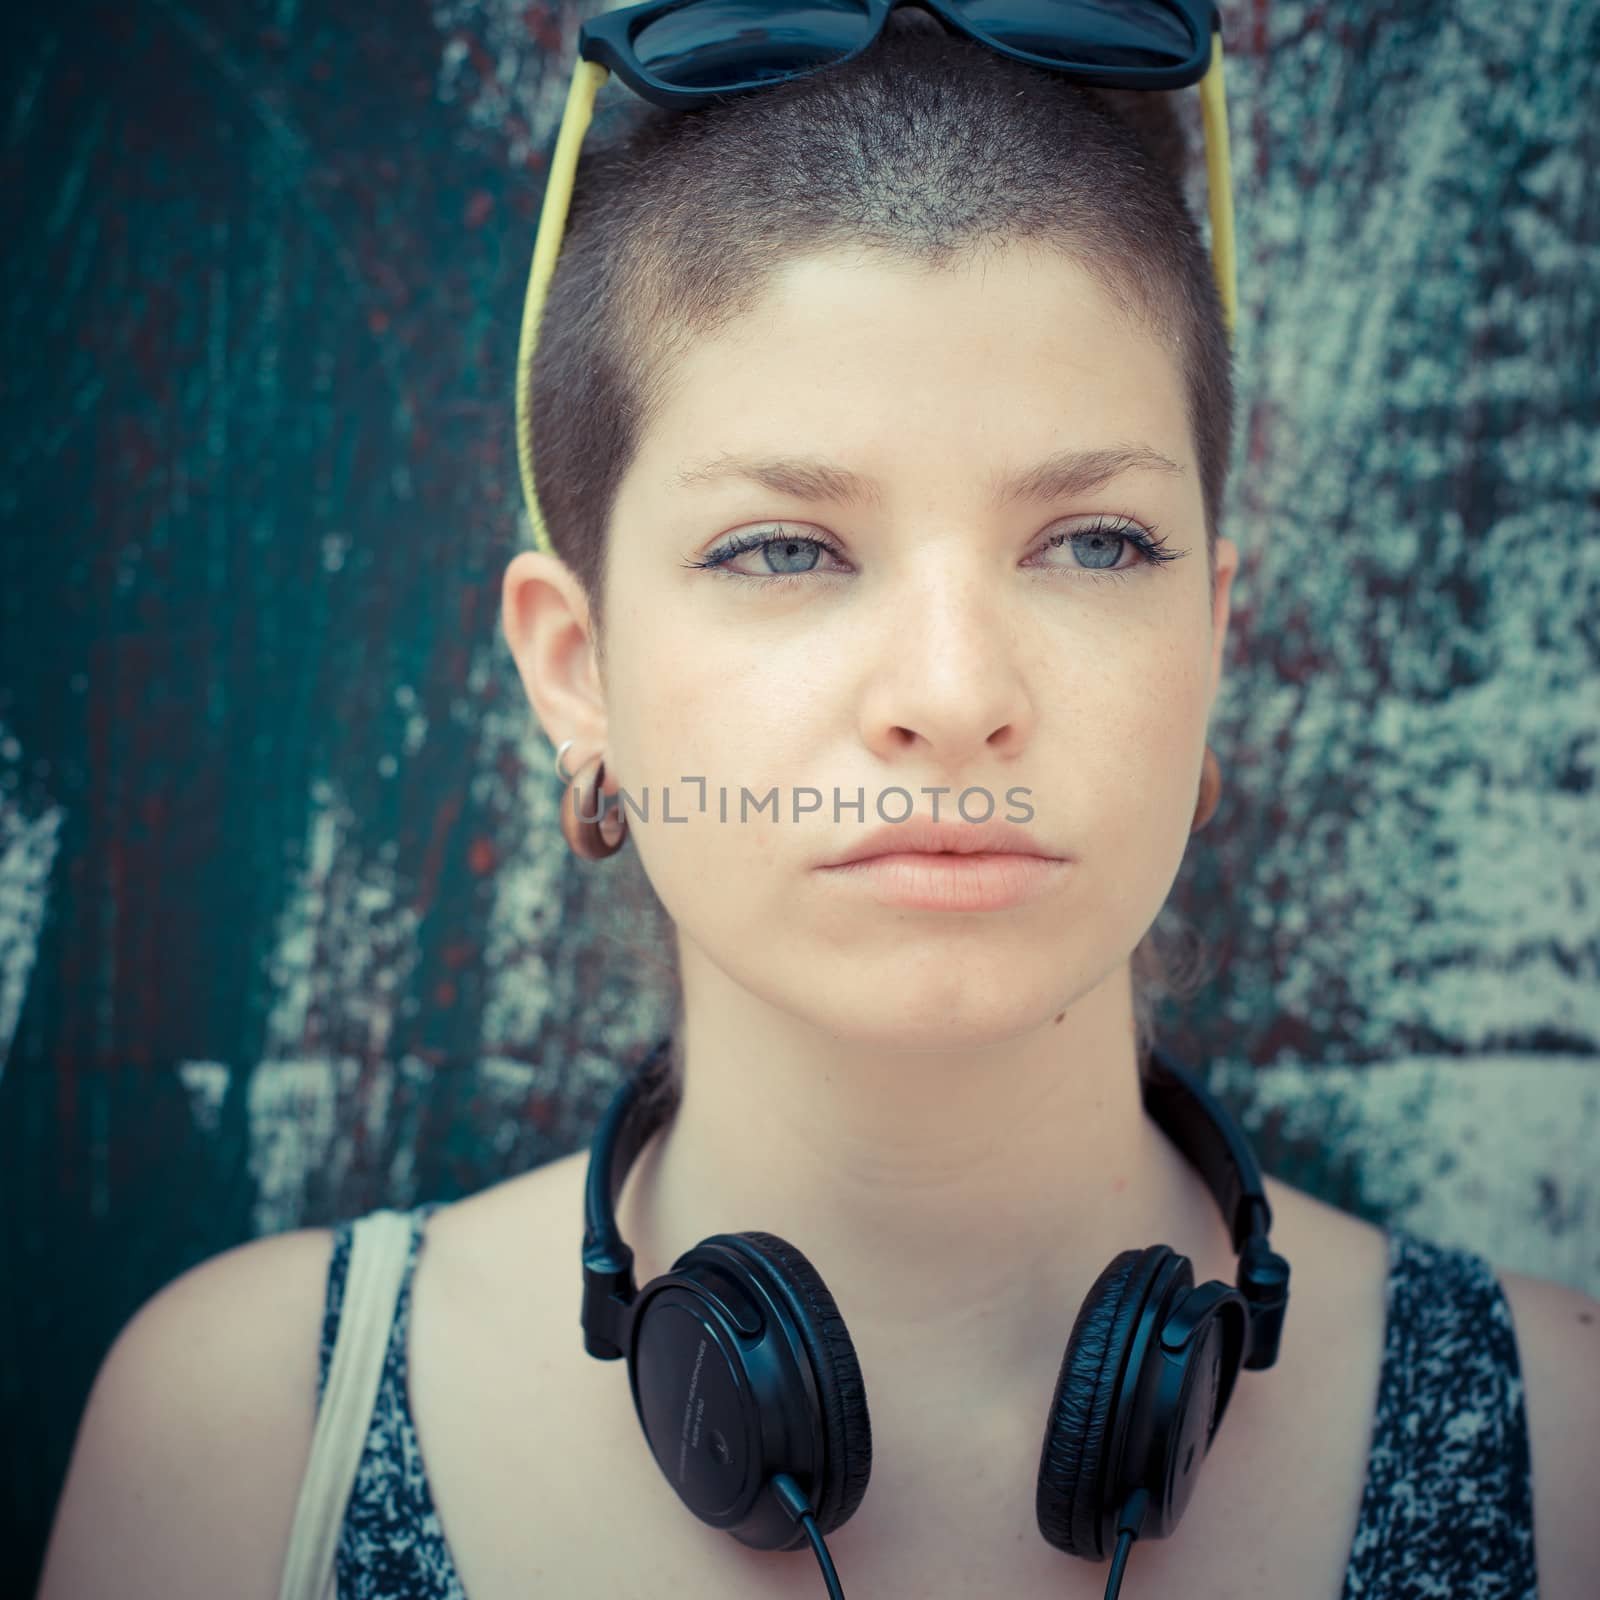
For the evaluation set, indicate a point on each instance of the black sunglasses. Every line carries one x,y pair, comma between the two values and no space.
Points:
684,54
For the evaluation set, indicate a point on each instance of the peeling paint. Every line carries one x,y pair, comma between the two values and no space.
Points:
29,839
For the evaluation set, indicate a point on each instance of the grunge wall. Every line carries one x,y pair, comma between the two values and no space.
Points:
287,929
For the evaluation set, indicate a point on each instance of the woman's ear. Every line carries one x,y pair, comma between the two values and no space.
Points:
1221,610
544,615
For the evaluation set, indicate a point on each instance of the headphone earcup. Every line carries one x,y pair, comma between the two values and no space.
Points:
1073,1470
847,1429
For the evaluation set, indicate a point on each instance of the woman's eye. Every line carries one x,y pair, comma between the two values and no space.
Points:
773,556
1099,550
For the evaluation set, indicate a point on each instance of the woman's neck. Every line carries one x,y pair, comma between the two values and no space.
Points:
958,1201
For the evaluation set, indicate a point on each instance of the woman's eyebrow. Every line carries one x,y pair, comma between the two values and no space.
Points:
1057,477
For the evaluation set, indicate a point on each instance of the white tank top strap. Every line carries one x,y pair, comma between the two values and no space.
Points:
378,1248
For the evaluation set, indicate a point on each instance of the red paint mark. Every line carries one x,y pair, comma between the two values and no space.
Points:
479,208
433,860
1258,26
158,838
481,856
1259,44
478,54
510,766
1258,434
544,26
377,319
459,953
444,993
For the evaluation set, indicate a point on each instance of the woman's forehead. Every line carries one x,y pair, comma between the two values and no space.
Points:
1019,356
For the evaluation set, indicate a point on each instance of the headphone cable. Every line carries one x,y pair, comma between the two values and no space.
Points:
795,1503
798,1507
1118,1562
1128,1525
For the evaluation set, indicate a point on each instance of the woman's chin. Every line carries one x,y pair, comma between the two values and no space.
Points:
897,1011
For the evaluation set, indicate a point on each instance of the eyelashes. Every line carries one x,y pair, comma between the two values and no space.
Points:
1152,549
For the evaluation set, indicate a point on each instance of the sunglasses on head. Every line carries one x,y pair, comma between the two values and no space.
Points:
688,53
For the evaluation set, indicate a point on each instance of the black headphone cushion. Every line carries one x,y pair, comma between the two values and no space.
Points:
847,1428
1072,1469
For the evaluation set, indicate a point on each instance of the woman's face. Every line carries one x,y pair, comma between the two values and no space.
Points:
937,637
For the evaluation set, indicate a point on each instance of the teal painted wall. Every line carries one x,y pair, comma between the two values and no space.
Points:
287,929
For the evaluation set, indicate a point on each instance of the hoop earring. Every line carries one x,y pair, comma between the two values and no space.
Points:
1210,791
561,760
584,814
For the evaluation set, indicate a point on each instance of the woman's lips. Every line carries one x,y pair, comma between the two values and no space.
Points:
920,880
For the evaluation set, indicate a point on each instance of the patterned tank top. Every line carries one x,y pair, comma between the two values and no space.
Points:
1447,1508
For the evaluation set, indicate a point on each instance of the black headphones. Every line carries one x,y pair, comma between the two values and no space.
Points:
747,1387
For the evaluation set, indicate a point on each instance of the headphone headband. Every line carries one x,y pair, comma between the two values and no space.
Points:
1201,1127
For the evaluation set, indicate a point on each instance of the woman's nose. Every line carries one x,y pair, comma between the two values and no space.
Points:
949,673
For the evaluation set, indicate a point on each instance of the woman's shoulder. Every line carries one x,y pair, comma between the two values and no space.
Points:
1336,1248
1533,1343
190,1451
535,1217
1558,1348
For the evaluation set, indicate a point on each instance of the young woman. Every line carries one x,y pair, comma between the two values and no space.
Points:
883,420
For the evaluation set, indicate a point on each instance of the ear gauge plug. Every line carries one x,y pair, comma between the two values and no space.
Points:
1210,791
592,827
